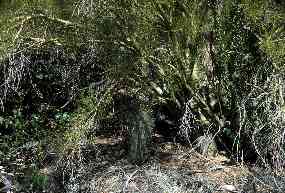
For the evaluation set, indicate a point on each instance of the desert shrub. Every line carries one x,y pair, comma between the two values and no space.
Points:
263,117
194,63
245,68
41,73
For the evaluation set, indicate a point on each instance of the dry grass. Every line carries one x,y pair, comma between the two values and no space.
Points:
173,169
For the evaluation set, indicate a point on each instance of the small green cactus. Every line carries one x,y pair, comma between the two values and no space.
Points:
139,136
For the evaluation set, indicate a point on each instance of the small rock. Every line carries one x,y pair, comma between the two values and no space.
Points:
5,184
228,188
216,168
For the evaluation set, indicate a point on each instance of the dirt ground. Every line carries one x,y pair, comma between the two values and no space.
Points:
173,168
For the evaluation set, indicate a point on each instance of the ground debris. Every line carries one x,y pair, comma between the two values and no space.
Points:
172,168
